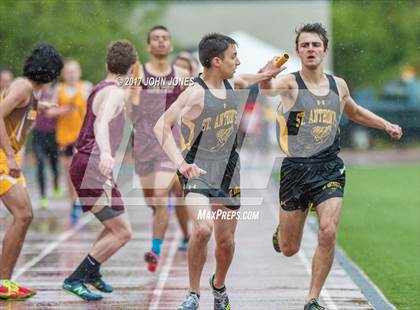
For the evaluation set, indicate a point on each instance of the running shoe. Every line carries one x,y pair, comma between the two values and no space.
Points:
276,243
221,298
183,246
28,292
79,289
99,284
313,305
152,260
191,302
58,193
10,290
75,212
43,203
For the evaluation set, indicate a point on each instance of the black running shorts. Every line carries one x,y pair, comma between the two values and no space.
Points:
221,183
307,183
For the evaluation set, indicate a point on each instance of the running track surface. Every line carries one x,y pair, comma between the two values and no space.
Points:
259,278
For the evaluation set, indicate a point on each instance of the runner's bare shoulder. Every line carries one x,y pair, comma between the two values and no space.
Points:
113,94
20,92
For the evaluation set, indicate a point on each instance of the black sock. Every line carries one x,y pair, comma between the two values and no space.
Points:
89,266
220,290
96,274
198,295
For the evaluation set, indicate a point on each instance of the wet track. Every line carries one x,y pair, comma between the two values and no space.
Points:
259,278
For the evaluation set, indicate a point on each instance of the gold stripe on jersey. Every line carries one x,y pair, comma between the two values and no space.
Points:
283,134
182,143
191,126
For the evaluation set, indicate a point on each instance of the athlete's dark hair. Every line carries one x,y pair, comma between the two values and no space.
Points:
155,28
313,28
43,64
213,45
120,57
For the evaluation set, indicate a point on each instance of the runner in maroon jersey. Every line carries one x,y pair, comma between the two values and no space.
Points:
91,170
161,85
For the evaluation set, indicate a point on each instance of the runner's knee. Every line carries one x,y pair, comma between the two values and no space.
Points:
160,193
203,232
289,249
24,218
159,201
225,243
327,235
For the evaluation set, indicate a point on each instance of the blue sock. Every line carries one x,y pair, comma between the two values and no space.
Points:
156,243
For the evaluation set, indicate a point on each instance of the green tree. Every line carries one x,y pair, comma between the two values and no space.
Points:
374,40
77,28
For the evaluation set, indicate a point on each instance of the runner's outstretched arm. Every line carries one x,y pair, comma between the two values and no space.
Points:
363,116
243,81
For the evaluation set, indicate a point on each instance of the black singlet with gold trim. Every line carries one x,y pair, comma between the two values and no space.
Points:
213,133
310,129
309,135
210,141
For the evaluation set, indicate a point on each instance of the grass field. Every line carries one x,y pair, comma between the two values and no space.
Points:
380,229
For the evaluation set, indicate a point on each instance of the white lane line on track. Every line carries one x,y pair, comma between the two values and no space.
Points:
325,295
52,246
164,272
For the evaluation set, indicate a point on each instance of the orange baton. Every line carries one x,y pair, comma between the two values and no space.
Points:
280,61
